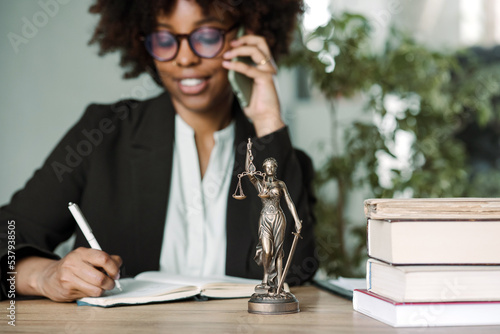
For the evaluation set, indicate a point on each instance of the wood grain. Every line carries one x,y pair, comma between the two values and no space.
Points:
321,312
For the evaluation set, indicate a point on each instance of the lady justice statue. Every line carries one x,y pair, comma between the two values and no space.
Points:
269,297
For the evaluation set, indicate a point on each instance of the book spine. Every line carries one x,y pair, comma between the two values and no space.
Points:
368,275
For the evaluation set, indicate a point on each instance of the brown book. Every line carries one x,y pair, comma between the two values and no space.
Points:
433,208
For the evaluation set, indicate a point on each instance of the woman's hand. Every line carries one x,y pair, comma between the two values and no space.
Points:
84,272
264,106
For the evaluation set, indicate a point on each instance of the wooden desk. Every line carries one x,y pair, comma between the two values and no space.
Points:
321,312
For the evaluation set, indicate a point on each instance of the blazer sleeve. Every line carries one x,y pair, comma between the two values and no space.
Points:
38,213
295,168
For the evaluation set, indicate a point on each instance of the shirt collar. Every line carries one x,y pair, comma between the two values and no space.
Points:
227,133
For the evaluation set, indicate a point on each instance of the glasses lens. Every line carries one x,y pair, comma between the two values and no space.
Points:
207,42
162,45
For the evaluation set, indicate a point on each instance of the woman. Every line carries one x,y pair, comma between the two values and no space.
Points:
153,177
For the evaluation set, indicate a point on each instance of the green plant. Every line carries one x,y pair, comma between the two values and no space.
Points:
413,93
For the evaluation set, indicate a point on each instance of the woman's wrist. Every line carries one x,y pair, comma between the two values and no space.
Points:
266,125
30,274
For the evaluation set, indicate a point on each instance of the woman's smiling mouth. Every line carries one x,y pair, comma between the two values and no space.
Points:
192,86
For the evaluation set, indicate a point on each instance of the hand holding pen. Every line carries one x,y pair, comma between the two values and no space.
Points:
87,231
79,274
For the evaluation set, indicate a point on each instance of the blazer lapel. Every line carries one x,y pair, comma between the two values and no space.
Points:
241,236
151,166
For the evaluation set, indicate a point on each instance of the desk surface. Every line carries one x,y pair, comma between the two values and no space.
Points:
321,312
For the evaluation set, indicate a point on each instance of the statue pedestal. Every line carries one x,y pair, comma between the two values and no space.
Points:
283,303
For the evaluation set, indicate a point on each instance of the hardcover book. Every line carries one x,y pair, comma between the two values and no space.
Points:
398,314
433,208
434,241
433,283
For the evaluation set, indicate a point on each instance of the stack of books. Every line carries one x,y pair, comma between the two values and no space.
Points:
432,262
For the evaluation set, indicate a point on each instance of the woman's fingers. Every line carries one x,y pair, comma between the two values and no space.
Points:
257,49
262,61
118,260
257,41
248,70
94,277
83,272
72,287
97,259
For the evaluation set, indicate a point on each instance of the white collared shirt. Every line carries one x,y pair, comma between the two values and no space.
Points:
194,241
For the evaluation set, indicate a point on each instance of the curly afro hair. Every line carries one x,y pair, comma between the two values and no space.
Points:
123,22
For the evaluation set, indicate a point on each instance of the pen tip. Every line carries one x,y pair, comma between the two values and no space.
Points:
70,203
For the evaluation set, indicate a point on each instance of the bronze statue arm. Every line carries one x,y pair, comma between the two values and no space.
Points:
291,207
250,168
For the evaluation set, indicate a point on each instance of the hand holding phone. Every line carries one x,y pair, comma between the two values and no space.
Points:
257,85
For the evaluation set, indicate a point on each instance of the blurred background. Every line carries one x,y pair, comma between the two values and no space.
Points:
391,98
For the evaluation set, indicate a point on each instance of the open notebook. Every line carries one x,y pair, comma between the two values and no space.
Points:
154,286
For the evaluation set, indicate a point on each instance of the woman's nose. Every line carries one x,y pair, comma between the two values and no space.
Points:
186,56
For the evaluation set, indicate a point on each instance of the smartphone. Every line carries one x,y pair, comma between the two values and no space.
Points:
241,84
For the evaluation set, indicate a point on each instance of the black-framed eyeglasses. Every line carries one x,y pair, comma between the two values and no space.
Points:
205,42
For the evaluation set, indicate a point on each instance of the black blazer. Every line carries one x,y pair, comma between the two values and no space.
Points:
116,163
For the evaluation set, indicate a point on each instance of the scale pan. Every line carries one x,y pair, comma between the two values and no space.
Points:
239,196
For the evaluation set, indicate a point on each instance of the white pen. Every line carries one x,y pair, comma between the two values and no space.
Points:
87,231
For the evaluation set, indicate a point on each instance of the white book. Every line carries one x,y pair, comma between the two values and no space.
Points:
434,241
426,314
433,283
154,286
